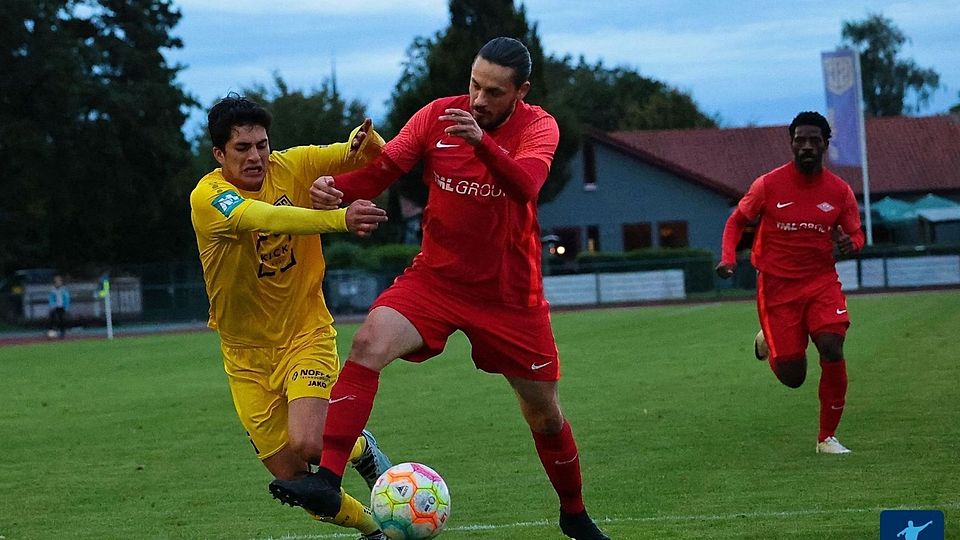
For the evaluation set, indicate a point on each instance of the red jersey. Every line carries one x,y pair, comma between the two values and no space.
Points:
480,229
797,216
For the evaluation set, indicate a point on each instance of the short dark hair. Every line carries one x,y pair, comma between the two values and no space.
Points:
811,118
234,111
510,53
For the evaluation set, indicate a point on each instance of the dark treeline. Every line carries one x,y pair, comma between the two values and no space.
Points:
99,169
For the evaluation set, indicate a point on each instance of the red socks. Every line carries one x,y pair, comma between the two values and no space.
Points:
350,404
833,392
561,460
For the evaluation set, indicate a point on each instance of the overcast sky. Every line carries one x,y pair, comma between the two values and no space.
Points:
749,62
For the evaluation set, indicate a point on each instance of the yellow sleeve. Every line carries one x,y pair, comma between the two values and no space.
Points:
216,207
333,159
262,217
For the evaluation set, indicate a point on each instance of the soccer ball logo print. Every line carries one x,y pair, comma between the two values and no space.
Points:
410,501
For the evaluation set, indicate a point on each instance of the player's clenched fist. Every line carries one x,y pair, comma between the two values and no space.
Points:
725,270
324,195
363,217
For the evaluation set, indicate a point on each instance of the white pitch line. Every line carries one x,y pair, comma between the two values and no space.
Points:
714,517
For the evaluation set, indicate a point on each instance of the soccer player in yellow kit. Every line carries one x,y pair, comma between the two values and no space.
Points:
263,267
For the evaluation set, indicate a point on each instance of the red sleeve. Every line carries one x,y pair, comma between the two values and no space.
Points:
732,232
399,155
369,181
850,220
406,149
748,209
522,177
753,203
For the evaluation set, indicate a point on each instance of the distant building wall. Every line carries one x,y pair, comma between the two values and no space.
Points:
625,190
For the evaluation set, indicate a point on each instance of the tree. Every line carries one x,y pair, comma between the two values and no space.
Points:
92,123
888,79
440,66
576,95
319,117
41,93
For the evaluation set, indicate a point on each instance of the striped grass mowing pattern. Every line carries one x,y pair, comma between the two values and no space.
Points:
682,433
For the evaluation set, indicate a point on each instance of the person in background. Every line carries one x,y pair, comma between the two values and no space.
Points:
59,302
805,211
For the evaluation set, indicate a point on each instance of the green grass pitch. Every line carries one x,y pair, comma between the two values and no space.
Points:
682,433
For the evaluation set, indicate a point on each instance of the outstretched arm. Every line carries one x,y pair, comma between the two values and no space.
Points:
361,218
327,192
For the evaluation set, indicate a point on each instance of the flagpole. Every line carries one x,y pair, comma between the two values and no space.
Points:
865,170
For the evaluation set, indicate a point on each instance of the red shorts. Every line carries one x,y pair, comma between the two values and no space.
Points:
791,310
516,341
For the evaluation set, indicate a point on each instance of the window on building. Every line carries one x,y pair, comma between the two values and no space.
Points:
673,234
636,236
589,168
593,238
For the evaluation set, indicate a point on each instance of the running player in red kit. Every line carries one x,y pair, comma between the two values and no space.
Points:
804,211
486,155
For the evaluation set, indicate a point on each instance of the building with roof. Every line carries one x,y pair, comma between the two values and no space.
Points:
676,188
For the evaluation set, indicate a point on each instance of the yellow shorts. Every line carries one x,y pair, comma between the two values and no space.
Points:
264,380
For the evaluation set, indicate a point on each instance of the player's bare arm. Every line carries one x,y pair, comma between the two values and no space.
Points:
324,195
363,217
464,126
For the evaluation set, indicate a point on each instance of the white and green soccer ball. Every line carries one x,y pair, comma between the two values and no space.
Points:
410,501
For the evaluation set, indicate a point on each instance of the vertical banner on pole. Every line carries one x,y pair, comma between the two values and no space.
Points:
848,145
842,81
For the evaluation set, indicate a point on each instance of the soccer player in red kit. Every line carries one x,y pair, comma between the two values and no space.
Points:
804,211
486,155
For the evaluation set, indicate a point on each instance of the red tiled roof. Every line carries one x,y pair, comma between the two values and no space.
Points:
905,154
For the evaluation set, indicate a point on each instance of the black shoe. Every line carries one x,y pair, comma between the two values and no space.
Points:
580,527
314,492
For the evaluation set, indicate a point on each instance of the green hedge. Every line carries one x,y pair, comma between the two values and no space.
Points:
697,264
383,258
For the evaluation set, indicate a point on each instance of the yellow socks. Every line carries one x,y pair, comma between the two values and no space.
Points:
352,514
358,448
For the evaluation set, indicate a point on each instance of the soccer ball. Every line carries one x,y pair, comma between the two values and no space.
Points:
410,501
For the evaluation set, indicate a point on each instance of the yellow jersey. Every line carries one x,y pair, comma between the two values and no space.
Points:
265,289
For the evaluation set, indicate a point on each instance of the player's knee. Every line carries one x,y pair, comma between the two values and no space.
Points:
831,350
369,351
790,371
308,448
545,424
829,345
543,418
